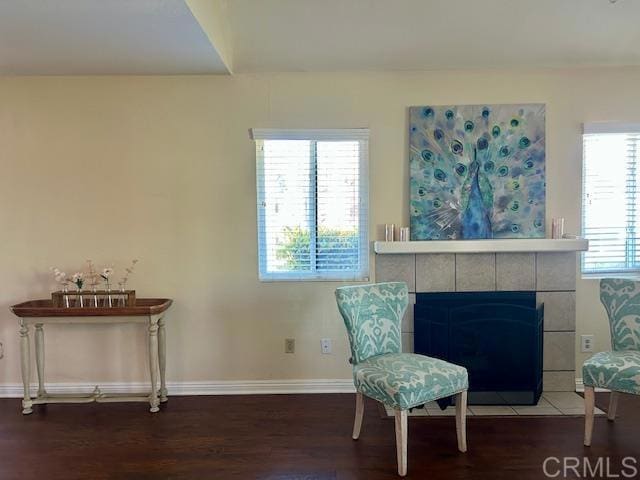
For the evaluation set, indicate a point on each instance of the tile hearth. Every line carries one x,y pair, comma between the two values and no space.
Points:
551,404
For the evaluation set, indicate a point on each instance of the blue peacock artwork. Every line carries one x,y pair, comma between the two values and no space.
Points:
477,171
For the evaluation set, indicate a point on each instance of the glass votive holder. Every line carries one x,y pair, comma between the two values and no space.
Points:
557,227
389,232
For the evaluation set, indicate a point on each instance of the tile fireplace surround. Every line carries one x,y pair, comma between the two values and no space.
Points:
545,266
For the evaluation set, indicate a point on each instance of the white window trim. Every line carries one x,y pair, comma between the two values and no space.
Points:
627,274
355,134
604,128
326,134
610,127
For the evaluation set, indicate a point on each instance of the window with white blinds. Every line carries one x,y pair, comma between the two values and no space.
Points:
312,197
610,213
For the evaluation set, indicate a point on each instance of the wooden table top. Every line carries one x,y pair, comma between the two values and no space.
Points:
45,308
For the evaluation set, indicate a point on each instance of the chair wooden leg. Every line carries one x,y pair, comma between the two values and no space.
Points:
613,406
461,420
401,441
589,407
357,424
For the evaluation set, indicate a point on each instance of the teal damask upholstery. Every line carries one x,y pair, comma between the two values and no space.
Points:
618,370
372,315
406,380
621,299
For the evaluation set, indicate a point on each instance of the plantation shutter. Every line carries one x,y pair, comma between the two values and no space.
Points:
610,213
312,195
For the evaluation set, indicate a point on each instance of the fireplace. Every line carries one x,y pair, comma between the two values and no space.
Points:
545,266
497,336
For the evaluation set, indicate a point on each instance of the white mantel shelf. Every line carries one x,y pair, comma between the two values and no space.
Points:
483,246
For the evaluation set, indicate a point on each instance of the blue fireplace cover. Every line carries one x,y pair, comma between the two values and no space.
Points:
497,336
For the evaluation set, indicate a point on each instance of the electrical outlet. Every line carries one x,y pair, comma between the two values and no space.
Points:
586,343
325,345
289,345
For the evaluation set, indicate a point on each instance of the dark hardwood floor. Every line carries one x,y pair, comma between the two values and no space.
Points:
288,437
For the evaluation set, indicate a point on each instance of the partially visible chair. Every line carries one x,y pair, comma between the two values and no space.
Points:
619,369
372,315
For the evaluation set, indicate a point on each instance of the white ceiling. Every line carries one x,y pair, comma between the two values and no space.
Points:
327,35
103,37
164,36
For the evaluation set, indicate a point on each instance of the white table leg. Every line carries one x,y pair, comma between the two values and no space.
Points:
40,359
153,363
162,359
25,363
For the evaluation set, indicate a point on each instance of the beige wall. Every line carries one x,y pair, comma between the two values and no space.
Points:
162,168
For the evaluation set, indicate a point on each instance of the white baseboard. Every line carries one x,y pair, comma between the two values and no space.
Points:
225,387
580,386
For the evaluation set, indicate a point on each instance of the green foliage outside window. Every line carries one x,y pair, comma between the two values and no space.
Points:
335,249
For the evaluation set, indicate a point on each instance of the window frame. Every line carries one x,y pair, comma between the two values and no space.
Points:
604,128
361,135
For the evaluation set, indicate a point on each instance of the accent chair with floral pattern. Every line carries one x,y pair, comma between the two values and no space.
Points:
372,315
619,369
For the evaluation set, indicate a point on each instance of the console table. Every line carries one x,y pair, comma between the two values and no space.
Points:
148,311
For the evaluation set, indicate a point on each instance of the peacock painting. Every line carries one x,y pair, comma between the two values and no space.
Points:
477,171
